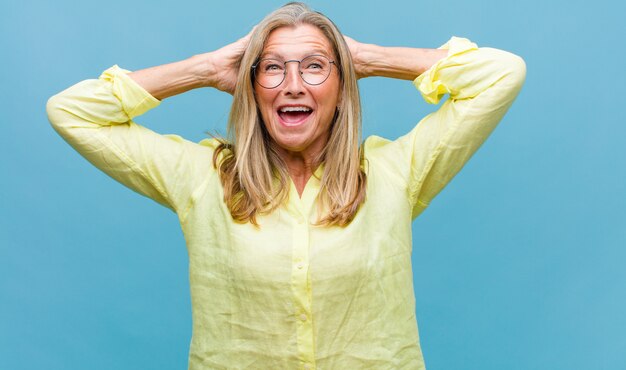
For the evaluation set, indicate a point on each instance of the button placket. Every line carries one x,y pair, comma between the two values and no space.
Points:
300,283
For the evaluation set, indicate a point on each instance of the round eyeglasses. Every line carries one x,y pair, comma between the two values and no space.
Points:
270,73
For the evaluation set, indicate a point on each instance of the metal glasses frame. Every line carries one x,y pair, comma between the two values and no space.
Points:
285,72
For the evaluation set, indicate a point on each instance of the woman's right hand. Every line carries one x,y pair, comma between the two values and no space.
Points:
224,64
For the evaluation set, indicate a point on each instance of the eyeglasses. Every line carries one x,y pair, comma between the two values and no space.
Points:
270,73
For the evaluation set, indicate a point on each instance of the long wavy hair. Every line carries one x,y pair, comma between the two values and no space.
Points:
254,177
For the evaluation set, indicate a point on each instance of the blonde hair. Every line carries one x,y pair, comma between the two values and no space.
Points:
254,177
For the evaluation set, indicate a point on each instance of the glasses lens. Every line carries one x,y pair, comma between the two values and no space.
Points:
269,73
315,69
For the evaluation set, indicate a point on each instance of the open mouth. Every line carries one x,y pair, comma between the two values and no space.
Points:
294,115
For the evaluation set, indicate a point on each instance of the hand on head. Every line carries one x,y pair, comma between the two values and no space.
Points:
355,48
226,63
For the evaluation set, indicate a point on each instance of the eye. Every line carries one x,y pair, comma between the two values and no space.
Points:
315,63
272,66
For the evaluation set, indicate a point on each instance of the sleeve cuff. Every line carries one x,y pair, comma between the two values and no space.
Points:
428,83
134,98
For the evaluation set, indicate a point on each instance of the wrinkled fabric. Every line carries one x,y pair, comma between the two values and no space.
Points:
291,295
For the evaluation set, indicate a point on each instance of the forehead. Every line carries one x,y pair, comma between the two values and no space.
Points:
297,42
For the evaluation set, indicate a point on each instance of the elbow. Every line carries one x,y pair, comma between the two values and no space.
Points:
518,69
60,116
514,68
54,110
507,70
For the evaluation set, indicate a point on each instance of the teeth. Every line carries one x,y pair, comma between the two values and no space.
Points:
295,109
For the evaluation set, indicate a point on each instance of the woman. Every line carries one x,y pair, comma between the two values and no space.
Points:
299,239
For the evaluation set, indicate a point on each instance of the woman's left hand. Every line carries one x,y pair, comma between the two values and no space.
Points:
356,50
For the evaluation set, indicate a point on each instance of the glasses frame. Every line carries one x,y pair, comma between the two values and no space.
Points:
285,72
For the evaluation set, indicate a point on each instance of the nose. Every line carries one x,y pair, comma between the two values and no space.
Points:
293,83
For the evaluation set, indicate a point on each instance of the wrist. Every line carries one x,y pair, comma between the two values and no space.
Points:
203,69
397,62
365,60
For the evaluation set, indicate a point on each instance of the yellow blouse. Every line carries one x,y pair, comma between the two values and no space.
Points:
291,295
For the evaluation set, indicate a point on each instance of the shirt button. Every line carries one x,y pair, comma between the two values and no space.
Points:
303,317
307,367
300,265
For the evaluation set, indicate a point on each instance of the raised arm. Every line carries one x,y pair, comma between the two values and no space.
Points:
394,62
216,69
96,117
482,84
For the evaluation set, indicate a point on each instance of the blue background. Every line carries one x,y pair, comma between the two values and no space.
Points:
518,264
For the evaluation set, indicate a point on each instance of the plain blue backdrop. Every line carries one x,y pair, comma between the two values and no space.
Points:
518,263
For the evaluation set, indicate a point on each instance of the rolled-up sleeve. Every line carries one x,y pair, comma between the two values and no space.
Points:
96,118
482,83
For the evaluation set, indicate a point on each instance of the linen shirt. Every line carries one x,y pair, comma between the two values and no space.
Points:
289,294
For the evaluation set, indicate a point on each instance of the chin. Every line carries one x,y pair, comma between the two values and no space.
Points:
291,145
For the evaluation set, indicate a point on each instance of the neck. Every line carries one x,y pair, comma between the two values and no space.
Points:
300,167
